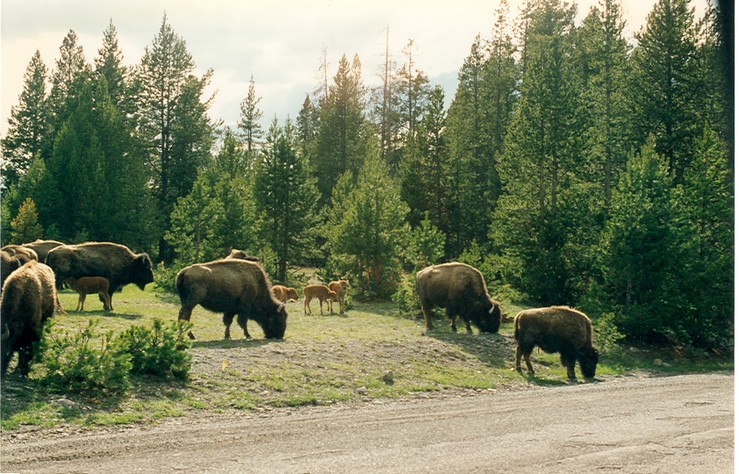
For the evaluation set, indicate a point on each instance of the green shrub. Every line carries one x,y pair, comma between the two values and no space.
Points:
164,276
606,336
160,350
83,362
406,298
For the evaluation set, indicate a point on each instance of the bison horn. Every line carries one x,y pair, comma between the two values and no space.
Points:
492,308
6,333
281,307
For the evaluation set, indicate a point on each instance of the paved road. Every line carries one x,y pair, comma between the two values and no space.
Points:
680,424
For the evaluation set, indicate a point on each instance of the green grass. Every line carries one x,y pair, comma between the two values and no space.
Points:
323,360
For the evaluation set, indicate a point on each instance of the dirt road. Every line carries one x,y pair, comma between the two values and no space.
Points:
627,424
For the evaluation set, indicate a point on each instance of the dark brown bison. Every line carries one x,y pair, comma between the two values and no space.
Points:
241,255
461,290
556,329
42,247
114,262
12,257
29,295
232,287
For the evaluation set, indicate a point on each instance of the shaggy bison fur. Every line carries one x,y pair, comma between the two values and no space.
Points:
556,329
29,295
232,287
114,262
461,290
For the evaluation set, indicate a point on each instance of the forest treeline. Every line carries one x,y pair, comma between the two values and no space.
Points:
572,166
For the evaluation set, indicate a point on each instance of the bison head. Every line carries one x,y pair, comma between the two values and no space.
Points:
588,360
275,324
490,320
142,270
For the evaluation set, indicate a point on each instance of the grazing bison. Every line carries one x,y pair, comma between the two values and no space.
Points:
89,286
284,293
114,262
42,247
29,295
461,290
556,329
339,287
233,287
321,292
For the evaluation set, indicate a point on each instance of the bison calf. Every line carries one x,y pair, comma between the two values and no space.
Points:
89,286
460,289
29,295
284,293
232,287
317,291
556,329
339,287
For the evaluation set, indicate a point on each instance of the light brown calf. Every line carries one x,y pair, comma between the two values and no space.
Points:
284,293
317,291
339,287
88,286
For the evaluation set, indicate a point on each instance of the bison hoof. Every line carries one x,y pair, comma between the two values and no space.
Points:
190,335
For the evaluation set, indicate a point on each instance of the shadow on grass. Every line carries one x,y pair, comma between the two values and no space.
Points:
494,350
233,343
106,314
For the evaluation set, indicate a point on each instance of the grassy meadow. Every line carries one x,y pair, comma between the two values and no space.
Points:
370,353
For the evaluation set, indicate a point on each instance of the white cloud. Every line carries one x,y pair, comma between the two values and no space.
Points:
278,42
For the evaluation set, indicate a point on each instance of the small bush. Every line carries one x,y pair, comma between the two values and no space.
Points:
160,351
606,336
164,276
406,298
83,363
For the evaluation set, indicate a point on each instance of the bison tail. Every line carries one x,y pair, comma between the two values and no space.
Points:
180,283
515,328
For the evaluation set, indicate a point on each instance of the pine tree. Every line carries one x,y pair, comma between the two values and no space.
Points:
109,64
172,121
27,124
664,88
532,222
249,120
369,229
286,198
603,54
341,140
25,226
641,256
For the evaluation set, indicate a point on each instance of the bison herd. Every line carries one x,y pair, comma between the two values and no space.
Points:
238,286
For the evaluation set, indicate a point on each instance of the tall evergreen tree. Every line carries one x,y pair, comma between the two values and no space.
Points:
172,121
109,64
249,120
342,136
368,231
532,222
27,125
286,198
664,88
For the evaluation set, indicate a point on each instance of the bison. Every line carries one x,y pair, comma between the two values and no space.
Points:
42,247
321,292
114,262
556,329
461,290
284,293
233,287
13,257
29,296
241,255
88,286
339,287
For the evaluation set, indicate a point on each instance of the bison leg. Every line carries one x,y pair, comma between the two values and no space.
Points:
25,354
426,309
467,324
5,356
185,313
80,302
306,305
320,301
228,318
569,363
527,357
107,304
243,319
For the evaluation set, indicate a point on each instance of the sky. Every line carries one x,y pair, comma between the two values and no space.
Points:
279,42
